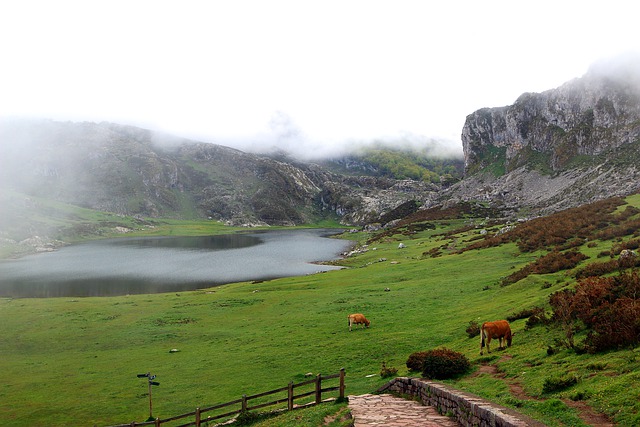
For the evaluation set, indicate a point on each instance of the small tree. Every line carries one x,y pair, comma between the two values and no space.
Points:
561,302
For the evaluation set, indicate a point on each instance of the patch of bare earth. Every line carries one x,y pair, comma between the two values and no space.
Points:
586,413
342,415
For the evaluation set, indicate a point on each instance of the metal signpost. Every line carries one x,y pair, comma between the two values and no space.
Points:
151,382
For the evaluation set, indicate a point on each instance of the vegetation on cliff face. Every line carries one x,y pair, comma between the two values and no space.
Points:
548,130
419,164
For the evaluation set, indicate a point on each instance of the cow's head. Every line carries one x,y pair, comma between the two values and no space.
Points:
509,337
367,322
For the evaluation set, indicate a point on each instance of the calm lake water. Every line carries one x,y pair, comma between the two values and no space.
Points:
168,264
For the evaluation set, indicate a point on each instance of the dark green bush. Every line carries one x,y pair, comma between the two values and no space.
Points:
442,363
523,314
538,317
473,330
387,372
554,384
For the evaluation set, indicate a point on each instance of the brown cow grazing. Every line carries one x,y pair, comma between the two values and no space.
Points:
499,329
358,319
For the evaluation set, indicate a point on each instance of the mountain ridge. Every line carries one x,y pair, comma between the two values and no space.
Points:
549,151
138,172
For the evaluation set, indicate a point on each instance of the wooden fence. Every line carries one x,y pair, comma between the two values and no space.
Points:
244,403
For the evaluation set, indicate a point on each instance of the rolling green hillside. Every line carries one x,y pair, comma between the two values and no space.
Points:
74,361
34,224
420,164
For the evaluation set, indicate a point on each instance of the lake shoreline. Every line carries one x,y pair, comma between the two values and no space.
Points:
158,264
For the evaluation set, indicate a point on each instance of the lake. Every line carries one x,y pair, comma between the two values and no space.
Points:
169,264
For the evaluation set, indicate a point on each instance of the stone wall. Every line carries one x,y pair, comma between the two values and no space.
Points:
467,409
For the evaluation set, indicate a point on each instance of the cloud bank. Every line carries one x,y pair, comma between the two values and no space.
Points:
308,77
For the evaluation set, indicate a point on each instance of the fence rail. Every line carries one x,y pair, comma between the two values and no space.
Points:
199,419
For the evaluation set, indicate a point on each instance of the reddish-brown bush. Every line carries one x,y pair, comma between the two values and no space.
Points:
625,228
602,268
416,360
442,363
608,306
568,228
515,277
557,261
631,245
550,263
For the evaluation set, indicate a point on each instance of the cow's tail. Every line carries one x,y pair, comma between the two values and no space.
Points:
481,337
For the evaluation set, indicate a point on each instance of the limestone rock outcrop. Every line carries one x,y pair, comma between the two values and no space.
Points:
557,149
586,116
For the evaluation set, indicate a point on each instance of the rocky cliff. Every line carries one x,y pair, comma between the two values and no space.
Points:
558,148
586,116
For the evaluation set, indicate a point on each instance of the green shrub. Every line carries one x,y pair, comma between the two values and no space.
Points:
473,330
442,363
523,314
555,384
387,372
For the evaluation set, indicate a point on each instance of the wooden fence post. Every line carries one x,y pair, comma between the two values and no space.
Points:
244,401
318,388
290,397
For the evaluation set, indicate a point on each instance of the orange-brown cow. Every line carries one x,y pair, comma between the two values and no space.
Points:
358,319
499,329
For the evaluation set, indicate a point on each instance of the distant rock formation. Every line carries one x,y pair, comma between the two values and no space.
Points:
585,116
138,172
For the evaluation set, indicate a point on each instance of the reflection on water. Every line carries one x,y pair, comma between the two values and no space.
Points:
167,264
209,243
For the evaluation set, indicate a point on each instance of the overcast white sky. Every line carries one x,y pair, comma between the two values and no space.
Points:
312,74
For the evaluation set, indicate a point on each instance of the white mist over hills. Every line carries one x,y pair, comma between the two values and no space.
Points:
310,78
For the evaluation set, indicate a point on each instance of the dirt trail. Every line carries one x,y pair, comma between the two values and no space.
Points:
586,413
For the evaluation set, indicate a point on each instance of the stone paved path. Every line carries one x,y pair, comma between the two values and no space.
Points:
390,411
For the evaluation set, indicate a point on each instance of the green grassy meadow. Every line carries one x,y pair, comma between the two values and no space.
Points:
73,361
